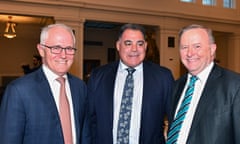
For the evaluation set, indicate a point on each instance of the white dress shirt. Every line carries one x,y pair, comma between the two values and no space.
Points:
136,104
199,86
55,88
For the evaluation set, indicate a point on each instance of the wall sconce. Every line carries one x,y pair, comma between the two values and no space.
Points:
10,31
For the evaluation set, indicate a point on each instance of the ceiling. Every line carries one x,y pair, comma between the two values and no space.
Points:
46,20
101,25
25,19
26,26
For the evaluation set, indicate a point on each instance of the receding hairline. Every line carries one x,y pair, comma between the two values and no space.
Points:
45,30
196,26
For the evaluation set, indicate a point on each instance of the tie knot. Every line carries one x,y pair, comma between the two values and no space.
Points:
61,80
193,78
130,70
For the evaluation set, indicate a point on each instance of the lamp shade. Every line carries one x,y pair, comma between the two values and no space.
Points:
10,31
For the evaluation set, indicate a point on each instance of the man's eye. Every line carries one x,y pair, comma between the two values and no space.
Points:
141,43
184,47
69,48
197,46
56,48
128,43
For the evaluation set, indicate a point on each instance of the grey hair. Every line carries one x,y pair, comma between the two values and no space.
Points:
45,30
196,26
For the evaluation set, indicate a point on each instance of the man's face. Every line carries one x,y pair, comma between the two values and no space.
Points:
35,61
196,52
58,63
132,47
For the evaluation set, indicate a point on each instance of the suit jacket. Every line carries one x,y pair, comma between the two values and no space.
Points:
29,115
156,92
217,116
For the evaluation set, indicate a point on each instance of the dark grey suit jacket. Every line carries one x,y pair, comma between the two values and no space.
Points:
29,115
217,117
156,92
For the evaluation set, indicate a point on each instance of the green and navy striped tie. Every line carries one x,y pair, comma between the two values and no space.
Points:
177,123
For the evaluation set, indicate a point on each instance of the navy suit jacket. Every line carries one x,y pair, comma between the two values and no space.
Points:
217,116
29,115
157,84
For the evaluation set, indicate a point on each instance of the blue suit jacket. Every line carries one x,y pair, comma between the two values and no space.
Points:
156,91
217,116
29,115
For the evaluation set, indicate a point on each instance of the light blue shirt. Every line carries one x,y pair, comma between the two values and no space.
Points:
136,105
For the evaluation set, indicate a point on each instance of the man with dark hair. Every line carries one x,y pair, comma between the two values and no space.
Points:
133,113
37,62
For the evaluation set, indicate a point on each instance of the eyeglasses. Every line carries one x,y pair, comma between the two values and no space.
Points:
58,49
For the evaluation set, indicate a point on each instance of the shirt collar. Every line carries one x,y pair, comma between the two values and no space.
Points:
203,75
123,67
51,76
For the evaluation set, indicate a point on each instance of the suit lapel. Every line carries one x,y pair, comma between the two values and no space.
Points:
47,97
76,103
146,98
206,97
147,81
179,86
109,90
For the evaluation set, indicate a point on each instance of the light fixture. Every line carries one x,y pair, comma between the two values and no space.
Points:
10,31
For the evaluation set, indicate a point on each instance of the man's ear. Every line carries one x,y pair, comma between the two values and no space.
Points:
213,49
40,50
118,45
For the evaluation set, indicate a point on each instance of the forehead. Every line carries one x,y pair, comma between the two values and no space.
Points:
59,34
132,34
196,34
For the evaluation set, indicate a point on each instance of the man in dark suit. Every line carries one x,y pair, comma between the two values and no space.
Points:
152,89
213,116
30,110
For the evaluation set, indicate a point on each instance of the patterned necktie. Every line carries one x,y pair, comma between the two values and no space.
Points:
64,111
125,109
177,123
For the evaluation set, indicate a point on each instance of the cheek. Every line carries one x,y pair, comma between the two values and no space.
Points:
50,58
142,50
122,51
182,54
70,58
204,54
